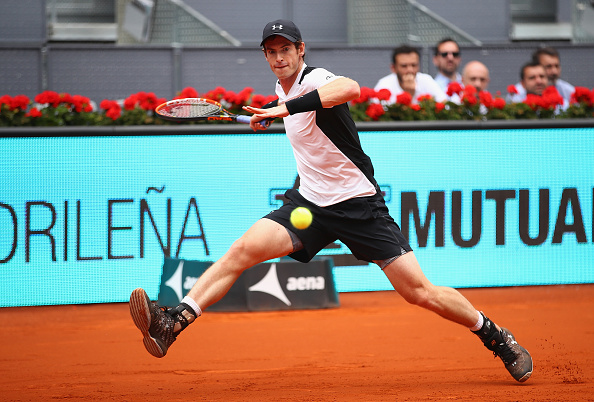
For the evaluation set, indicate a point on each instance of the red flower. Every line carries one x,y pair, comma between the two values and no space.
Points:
469,95
454,88
551,97
48,97
243,96
216,94
258,101
424,97
230,97
366,94
375,111
415,107
383,94
130,102
81,103
5,100
534,101
486,99
65,98
112,108
499,103
187,92
512,89
404,98
147,100
583,95
21,102
439,106
107,104
34,113
114,113
16,102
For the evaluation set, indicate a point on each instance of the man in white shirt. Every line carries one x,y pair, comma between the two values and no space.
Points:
406,77
447,60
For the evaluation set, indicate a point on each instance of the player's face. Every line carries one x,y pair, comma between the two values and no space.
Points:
448,58
535,80
284,58
552,67
406,64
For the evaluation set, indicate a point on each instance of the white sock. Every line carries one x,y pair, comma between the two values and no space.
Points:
190,302
479,323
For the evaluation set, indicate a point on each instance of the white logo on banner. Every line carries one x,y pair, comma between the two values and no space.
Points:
270,284
175,282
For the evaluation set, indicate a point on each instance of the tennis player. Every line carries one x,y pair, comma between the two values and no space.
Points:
338,186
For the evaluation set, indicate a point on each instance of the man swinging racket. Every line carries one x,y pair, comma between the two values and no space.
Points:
338,187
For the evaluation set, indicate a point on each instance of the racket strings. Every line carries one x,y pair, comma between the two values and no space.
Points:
187,110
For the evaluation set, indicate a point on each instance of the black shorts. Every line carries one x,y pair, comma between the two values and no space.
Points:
363,224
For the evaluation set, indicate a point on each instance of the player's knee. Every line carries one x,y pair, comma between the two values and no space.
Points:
239,254
244,253
419,297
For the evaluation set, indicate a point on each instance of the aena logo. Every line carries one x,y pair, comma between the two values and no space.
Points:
268,284
177,282
271,285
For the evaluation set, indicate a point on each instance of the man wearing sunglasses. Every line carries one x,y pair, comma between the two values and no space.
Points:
447,60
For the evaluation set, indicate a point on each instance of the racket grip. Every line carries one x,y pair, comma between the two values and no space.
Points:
243,119
246,120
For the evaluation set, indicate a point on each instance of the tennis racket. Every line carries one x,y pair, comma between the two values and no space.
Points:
197,109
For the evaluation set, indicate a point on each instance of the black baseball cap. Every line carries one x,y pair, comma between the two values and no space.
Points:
285,28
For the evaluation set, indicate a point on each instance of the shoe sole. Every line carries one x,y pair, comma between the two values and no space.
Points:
141,315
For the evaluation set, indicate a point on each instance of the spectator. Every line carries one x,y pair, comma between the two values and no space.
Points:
406,77
534,82
447,60
549,58
476,74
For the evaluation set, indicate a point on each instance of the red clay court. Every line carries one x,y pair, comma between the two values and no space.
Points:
375,347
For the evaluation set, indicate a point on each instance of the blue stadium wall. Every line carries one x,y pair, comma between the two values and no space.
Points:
87,215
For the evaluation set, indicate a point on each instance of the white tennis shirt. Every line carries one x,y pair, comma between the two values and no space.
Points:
331,164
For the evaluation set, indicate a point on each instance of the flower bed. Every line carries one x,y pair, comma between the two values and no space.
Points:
372,106
50,108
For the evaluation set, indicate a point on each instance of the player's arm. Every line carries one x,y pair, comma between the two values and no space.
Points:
336,92
339,91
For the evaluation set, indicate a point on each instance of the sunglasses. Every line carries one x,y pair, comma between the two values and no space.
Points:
445,54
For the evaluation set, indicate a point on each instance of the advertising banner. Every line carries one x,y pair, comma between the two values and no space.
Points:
88,219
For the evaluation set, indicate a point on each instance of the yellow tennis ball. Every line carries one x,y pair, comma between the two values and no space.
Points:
301,218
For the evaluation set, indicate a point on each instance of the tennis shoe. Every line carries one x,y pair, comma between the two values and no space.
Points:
516,359
154,321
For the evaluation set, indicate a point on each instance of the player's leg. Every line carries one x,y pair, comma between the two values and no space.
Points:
265,240
408,280
160,326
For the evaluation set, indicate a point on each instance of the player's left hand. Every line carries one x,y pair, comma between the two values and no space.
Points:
263,114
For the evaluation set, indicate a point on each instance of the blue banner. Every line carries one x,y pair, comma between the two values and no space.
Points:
88,219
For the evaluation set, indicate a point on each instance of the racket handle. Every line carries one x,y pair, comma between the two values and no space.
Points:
246,120
243,119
